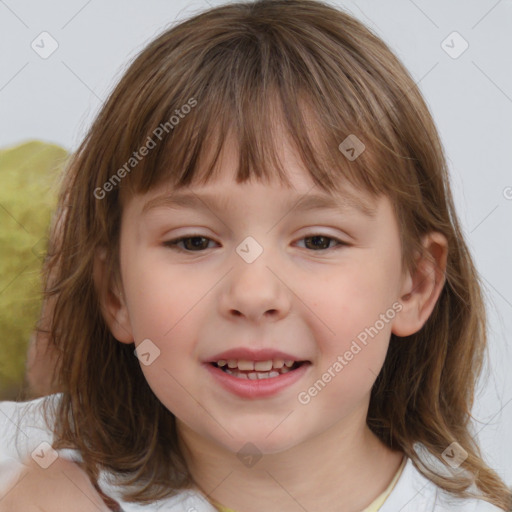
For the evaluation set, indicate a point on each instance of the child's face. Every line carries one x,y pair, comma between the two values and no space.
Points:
304,295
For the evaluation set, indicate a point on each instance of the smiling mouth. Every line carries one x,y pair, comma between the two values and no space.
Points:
259,370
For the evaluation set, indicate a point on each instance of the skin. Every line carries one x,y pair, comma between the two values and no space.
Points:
61,487
303,300
42,363
311,303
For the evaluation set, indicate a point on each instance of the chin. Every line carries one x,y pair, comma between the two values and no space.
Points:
259,441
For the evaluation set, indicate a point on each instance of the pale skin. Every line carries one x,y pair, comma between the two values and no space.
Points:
61,487
306,301
310,303
42,363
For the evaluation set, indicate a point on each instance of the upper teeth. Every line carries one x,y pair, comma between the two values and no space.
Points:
260,366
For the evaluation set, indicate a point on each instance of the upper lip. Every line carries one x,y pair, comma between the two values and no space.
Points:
248,354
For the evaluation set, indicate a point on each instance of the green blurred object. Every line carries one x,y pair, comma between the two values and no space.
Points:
29,178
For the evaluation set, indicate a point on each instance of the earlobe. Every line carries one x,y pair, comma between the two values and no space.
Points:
111,299
422,287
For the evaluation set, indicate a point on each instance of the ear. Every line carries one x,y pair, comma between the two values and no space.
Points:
422,287
111,298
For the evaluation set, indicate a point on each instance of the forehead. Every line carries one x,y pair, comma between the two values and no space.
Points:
220,197
217,189
209,148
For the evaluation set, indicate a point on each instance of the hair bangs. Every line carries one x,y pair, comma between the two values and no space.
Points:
270,76
251,95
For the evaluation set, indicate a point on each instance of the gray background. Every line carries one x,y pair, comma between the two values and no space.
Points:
55,99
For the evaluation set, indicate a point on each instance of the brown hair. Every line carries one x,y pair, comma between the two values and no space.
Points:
319,71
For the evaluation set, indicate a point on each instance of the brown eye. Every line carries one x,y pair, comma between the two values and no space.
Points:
321,242
191,243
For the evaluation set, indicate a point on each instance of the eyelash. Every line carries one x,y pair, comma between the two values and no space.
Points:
173,244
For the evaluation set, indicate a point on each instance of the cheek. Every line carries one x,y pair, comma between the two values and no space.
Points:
170,374
163,305
159,297
352,299
353,319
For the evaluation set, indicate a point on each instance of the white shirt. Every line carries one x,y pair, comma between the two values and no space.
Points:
22,430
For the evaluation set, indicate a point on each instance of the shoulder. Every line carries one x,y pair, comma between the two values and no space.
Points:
415,493
20,425
446,503
23,423
185,501
26,435
70,487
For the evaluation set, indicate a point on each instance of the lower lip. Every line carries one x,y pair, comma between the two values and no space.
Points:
247,388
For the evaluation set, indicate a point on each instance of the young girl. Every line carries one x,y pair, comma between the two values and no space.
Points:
262,299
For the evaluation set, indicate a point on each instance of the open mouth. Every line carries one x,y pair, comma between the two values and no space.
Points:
257,370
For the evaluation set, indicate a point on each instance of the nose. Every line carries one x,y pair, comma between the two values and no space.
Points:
255,291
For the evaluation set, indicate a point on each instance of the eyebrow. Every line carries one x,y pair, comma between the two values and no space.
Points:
306,202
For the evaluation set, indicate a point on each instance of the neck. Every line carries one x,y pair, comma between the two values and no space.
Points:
333,472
